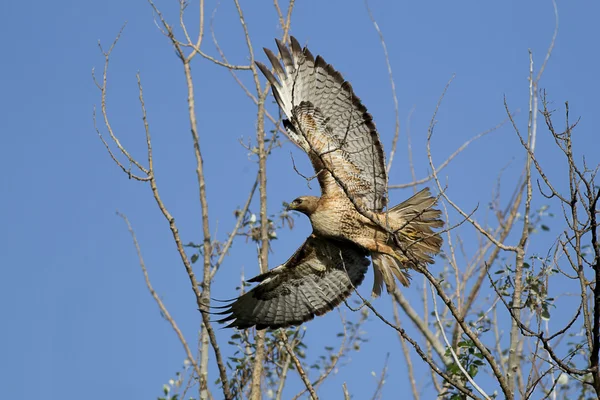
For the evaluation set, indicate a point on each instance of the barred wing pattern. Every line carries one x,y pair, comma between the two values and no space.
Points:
329,122
319,275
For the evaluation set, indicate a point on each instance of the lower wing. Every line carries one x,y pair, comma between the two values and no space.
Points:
320,274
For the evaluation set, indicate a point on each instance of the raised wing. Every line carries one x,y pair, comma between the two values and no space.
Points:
319,275
329,122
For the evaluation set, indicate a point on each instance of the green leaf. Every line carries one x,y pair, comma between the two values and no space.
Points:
473,369
194,258
545,314
545,228
453,369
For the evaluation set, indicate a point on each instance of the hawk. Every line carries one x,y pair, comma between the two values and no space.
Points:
329,122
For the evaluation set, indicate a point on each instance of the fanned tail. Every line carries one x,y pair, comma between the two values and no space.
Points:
415,220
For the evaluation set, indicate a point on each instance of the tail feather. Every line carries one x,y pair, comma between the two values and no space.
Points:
418,219
414,220
385,268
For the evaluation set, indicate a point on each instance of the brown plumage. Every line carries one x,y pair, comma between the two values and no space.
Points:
328,121
320,274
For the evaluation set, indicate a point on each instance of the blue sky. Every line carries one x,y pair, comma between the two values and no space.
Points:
78,320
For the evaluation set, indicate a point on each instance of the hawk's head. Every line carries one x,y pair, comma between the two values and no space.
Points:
304,204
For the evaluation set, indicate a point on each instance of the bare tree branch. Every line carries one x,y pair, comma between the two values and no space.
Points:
309,387
422,326
392,85
448,160
381,380
159,302
449,347
407,357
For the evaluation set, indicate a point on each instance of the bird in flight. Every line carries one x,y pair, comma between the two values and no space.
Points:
329,122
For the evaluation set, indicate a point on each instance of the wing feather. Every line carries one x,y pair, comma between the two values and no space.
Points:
268,74
275,62
313,281
309,85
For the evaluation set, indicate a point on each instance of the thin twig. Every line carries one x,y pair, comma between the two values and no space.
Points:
290,351
407,357
157,299
283,376
345,391
345,346
448,160
439,289
381,380
421,326
411,164
202,296
444,195
418,349
449,347
238,224
392,85
103,92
